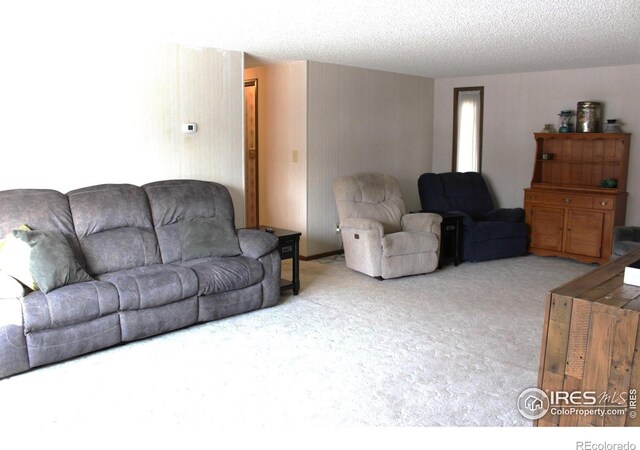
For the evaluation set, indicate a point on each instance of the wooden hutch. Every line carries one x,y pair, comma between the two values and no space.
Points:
568,213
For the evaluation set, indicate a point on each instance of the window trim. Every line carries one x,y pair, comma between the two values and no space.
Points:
454,152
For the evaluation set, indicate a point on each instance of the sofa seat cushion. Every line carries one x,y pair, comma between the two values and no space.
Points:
217,274
486,231
151,286
69,305
409,243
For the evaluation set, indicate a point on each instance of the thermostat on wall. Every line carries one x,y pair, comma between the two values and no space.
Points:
189,128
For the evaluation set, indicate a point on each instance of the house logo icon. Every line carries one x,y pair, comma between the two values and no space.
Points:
533,403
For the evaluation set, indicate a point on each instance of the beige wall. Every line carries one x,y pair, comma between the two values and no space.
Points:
282,130
111,113
363,120
517,105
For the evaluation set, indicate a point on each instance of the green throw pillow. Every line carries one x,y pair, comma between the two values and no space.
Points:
203,237
14,258
51,260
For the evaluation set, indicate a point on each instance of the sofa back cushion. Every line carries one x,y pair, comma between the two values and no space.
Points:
175,201
455,191
114,227
39,209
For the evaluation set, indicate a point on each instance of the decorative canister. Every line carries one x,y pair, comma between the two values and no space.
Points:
588,117
612,126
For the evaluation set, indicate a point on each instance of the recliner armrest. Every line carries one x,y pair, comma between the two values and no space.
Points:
467,221
422,222
256,243
511,215
358,223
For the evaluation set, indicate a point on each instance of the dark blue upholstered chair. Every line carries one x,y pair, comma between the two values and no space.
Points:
489,233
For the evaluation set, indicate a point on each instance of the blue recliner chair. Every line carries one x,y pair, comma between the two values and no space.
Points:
489,233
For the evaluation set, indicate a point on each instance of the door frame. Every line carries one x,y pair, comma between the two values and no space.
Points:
247,160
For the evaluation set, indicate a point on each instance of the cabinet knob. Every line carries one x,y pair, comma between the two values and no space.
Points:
603,203
567,200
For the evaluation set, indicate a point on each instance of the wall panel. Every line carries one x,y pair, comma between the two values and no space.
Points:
111,113
363,120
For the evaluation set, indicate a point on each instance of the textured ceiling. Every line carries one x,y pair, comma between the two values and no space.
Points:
429,38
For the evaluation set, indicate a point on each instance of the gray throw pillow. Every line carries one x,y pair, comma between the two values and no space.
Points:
211,236
51,262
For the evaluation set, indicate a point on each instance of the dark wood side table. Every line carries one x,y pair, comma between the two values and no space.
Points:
289,248
451,230
451,238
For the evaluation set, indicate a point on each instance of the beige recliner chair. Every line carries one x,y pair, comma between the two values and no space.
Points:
379,239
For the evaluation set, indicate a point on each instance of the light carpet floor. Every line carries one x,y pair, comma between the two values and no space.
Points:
455,348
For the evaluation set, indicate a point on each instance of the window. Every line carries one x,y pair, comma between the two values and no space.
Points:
467,129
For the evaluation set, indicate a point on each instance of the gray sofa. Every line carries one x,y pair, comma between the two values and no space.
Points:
130,241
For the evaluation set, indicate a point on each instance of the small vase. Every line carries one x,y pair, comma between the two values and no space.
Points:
612,126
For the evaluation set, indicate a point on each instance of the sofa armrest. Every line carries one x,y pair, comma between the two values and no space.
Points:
256,243
511,215
422,222
353,223
10,287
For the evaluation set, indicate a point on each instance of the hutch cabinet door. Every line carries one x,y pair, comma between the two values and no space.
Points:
584,232
547,226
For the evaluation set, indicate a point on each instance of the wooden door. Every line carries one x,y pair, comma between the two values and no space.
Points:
584,233
547,227
251,152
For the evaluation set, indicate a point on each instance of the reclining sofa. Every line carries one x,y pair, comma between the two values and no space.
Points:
148,260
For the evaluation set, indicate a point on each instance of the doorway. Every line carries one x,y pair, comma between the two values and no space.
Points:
251,152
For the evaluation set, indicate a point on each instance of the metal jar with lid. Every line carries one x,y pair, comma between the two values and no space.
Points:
588,117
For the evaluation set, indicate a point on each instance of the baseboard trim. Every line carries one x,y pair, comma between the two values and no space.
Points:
321,255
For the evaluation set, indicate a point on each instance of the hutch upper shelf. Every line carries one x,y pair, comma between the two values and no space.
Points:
581,160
